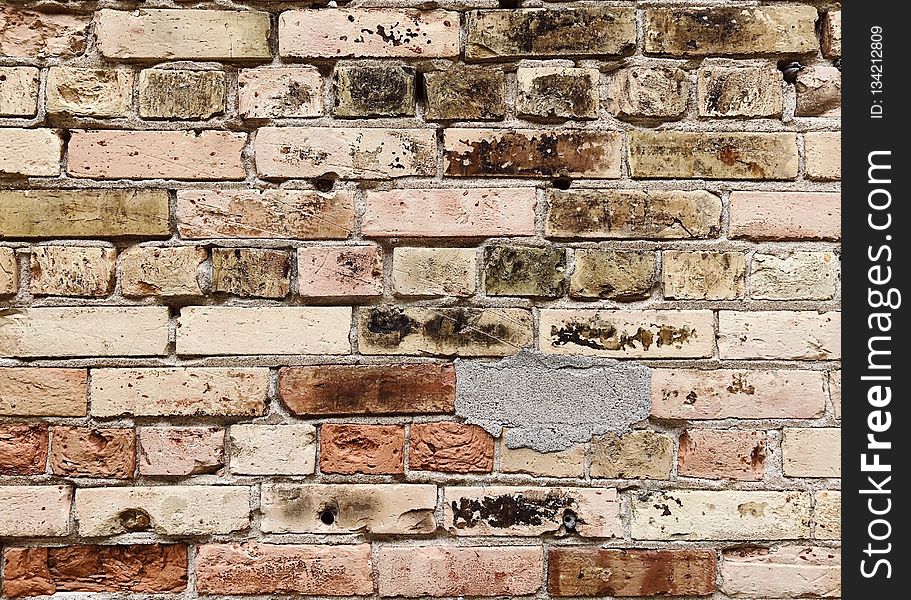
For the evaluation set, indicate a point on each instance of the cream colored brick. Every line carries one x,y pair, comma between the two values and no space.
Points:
704,275
565,463
782,572
273,449
72,271
794,276
635,455
827,515
642,91
150,271
89,92
558,92
434,271
30,152
741,91
9,272
31,511
835,392
18,91
780,334
823,155
831,34
811,452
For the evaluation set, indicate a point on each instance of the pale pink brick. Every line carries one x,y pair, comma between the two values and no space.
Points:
783,572
720,454
35,511
835,392
30,152
340,271
180,451
275,92
30,34
780,334
786,215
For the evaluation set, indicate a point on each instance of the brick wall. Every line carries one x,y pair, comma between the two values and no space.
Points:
400,298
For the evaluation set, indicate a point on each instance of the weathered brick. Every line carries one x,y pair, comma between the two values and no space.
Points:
450,213
23,448
34,392
375,508
465,93
835,392
624,573
589,31
30,152
511,270
531,511
90,331
89,92
9,272
811,452
822,151
739,91
632,214
720,454
368,32
31,34
180,451
731,30
831,34
635,455
785,215
827,514
83,213
818,91
295,214
797,335
450,448
712,155
564,463
179,391
643,91
442,570
374,90
174,510
371,449
112,154
251,272
721,515
340,271
181,94
704,275
176,34
345,152
72,271
433,271
613,274
693,394
794,276
275,92
225,330
309,569
89,452
18,91
35,511
628,334
153,271
558,93
782,572
444,331
532,153
273,449
368,389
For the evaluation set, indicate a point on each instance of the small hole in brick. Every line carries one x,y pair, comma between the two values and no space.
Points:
324,184
569,520
135,519
327,515
562,183
510,3
790,69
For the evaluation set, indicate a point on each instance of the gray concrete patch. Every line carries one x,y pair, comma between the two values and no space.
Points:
549,403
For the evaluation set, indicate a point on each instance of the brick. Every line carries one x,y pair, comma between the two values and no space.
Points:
721,515
612,274
558,93
632,214
466,94
373,509
152,271
720,454
374,90
450,213
341,271
91,331
23,448
34,392
9,272
835,392
433,271
182,34
370,449
827,514
589,31
179,391
180,451
226,330
368,389
89,452
511,270
83,213
710,155
564,463
818,91
741,91
274,92
18,91
139,568
310,569
450,448
173,510
693,394
30,152
831,34
36,35
625,573
785,215
294,214
531,511
273,449
627,334
115,154
704,275
635,455
368,32
794,276
823,155
811,452
643,91
795,335
72,271
731,30
782,572
444,331
440,570
181,94
35,511
344,152
89,92
532,153
252,272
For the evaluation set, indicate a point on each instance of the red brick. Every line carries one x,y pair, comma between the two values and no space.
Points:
23,449
371,449
451,448
718,454
88,452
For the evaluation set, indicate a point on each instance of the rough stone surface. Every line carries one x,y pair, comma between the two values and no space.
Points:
181,94
720,454
786,571
276,92
35,510
742,91
30,34
704,275
434,271
150,271
340,272
649,92
89,92
818,91
450,448
90,452
273,449
371,449
612,274
54,392
18,91
524,271
251,272
23,449
467,93
558,93
180,451
634,455
72,271
374,90
794,276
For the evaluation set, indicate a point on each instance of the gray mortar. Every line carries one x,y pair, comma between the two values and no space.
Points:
550,403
